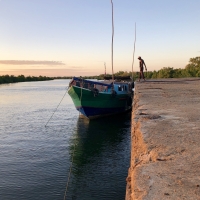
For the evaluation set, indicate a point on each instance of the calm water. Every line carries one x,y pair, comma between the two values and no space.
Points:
35,160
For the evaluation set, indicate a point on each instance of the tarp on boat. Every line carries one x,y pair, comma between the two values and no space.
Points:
92,82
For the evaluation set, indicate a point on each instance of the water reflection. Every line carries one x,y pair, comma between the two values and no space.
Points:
101,158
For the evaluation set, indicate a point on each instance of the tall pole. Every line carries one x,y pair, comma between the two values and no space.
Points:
134,52
112,42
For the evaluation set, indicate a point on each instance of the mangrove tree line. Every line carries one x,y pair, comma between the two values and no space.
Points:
22,78
192,69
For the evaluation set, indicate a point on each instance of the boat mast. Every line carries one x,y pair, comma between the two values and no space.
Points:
105,68
112,42
134,52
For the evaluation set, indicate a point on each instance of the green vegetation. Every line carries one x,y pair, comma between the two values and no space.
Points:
22,78
192,69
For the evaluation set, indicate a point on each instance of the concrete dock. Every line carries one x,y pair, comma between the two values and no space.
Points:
165,141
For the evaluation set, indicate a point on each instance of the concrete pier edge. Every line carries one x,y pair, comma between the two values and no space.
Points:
165,138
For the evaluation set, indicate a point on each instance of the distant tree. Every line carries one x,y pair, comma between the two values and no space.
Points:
21,78
149,74
120,73
193,68
166,72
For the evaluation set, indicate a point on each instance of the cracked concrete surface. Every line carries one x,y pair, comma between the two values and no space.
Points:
165,141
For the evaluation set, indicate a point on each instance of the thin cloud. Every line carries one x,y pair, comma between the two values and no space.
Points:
48,72
74,67
30,62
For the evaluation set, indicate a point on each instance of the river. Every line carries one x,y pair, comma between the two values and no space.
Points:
88,160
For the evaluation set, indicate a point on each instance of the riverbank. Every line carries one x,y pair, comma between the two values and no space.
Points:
165,138
21,78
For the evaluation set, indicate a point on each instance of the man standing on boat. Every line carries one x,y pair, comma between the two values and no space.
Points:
142,64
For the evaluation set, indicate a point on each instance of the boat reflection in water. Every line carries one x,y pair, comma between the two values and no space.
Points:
101,158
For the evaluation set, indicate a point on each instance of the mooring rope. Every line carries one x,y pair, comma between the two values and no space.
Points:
81,95
57,106
70,171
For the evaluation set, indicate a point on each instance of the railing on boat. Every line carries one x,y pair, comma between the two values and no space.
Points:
102,86
87,84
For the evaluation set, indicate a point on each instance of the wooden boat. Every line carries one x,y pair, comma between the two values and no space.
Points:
96,99
101,98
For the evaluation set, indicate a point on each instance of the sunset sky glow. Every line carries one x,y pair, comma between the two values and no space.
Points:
73,37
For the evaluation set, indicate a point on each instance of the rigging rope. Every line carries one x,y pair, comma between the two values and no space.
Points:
57,107
112,42
134,52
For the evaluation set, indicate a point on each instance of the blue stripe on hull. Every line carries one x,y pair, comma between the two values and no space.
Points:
92,112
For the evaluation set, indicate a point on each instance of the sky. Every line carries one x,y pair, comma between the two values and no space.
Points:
73,37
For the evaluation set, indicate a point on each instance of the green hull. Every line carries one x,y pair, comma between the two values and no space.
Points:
102,104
